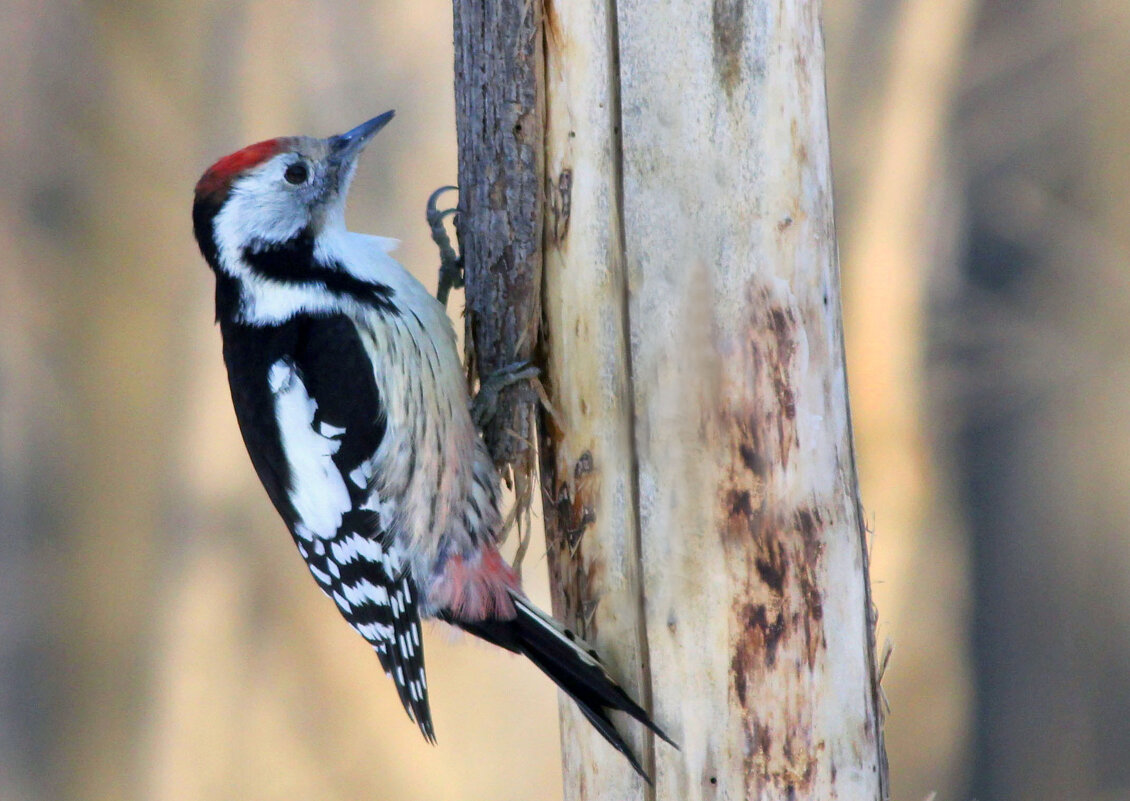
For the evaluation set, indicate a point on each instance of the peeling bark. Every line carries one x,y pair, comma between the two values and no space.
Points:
498,67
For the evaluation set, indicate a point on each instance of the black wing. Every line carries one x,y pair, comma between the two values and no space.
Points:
308,406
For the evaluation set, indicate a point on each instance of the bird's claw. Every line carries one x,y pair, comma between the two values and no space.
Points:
451,264
485,405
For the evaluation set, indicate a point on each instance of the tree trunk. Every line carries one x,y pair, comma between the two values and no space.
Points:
702,515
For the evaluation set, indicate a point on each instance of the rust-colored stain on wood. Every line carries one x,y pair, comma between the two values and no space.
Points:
559,196
570,511
772,565
782,325
728,18
778,623
785,562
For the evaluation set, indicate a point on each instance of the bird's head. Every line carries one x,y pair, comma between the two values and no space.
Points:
273,191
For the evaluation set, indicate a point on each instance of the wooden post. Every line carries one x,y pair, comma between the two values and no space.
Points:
589,473
702,516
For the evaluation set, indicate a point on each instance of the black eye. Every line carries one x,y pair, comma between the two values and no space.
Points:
296,173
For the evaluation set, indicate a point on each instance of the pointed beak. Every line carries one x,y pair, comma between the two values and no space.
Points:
344,148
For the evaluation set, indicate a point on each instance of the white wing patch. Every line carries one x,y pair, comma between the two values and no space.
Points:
326,430
316,490
362,474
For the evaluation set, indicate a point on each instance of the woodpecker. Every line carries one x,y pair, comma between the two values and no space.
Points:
352,402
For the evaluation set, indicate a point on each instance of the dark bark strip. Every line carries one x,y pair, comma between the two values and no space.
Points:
498,74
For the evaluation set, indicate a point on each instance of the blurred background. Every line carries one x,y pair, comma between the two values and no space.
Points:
159,639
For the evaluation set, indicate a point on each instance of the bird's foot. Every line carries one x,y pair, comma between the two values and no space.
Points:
451,264
485,405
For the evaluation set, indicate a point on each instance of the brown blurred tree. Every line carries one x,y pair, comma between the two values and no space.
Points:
896,82
1035,328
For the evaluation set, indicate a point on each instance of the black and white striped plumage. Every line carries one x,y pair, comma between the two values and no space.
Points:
351,399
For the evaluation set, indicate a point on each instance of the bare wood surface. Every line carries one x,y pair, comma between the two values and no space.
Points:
705,529
586,449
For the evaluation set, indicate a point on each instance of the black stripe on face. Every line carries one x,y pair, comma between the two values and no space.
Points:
293,262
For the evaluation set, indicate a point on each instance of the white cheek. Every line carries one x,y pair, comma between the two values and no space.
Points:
258,210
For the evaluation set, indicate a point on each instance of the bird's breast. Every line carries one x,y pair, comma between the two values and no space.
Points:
431,473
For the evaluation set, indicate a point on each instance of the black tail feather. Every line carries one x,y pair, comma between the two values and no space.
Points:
599,719
572,665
